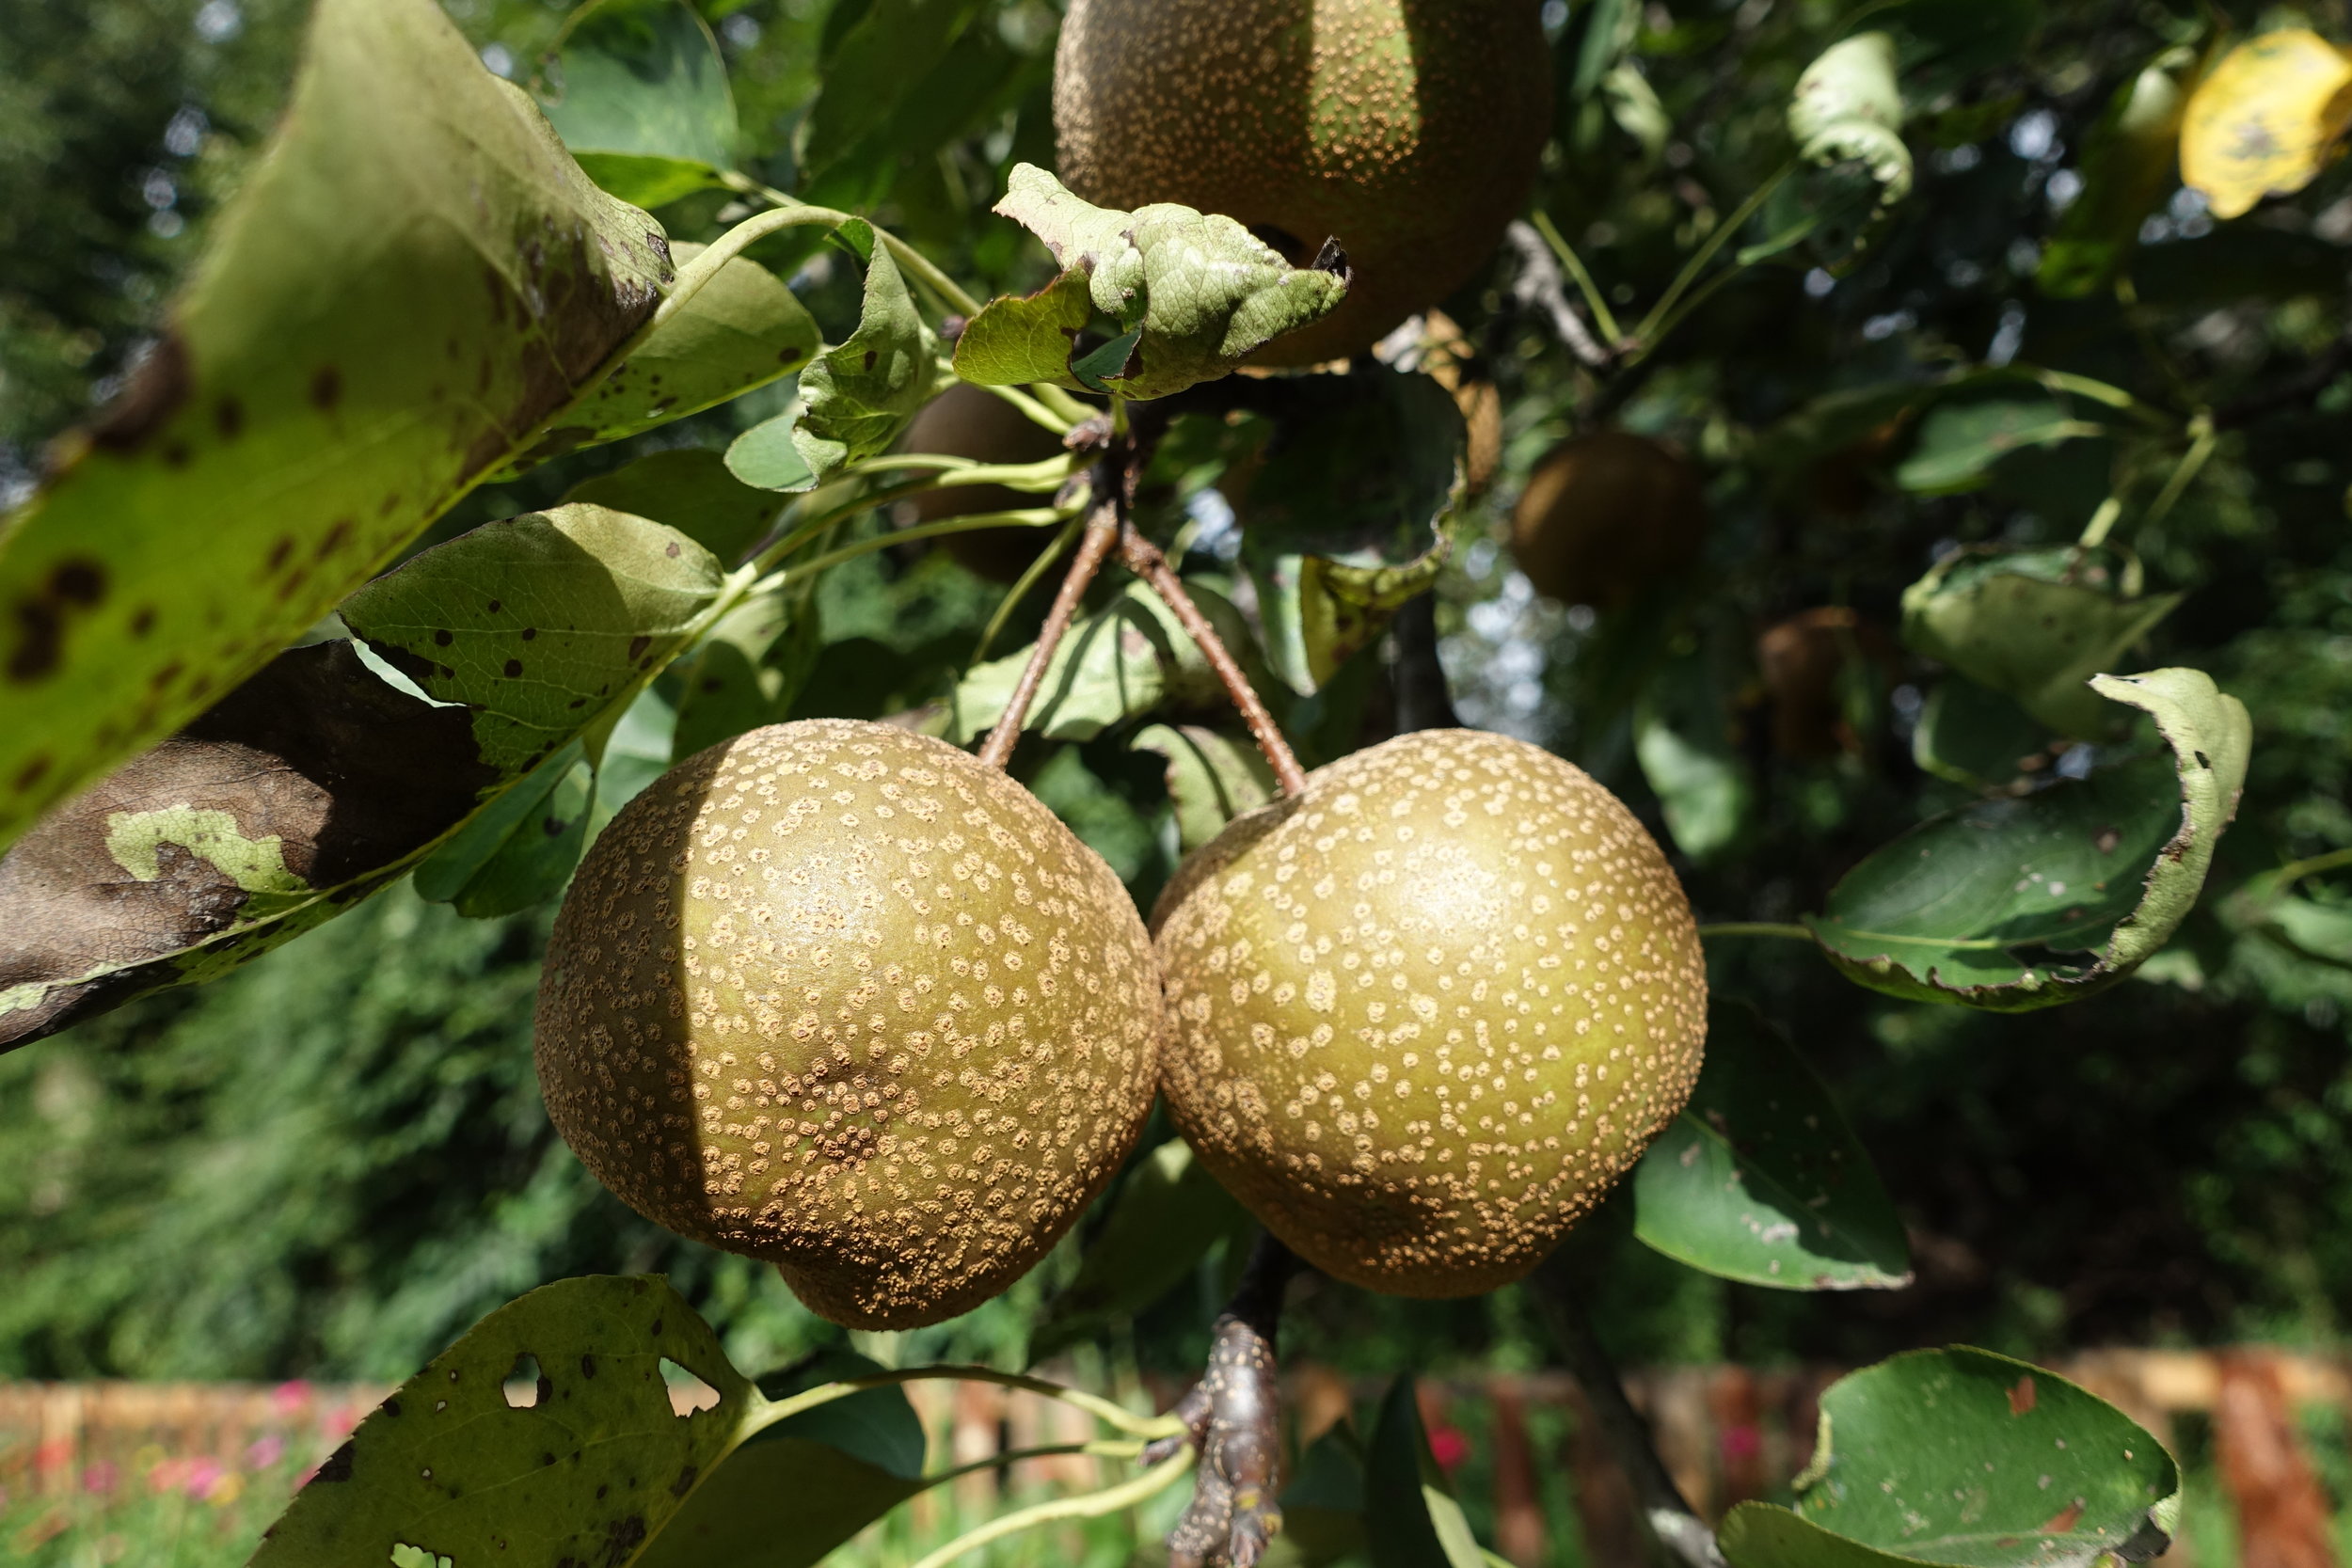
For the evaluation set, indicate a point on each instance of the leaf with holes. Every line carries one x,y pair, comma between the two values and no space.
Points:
2028,902
859,398
742,329
591,1470
639,92
1163,1220
1410,1517
2036,626
1126,660
1759,1179
1213,777
1189,294
1963,1457
541,624
804,1486
413,281
692,490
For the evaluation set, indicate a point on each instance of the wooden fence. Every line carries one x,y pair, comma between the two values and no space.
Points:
1726,1433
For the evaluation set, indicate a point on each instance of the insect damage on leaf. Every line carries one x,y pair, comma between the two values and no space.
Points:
1191,293
249,825
408,284
2266,120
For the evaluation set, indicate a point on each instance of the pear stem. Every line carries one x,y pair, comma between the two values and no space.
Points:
1094,547
1146,561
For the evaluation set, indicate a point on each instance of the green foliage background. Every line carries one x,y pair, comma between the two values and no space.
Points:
331,1163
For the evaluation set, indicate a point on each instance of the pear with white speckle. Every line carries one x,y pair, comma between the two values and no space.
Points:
1423,1015
843,997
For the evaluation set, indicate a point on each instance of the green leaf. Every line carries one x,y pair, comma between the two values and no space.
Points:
1322,1506
1984,906
1345,520
766,457
1846,117
748,670
929,109
297,794
795,1491
1165,1217
871,68
411,281
646,180
1410,1517
1128,658
860,397
1760,1179
593,1469
1973,736
2127,165
540,623
644,77
1968,431
1682,740
691,490
1213,777
519,849
1961,1457
1192,295
744,328
2035,625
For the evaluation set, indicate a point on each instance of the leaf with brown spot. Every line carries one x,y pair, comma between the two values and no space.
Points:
410,199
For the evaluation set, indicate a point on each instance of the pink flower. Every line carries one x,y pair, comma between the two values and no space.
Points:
266,1453
1742,1442
99,1478
1448,1447
202,1475
287,1397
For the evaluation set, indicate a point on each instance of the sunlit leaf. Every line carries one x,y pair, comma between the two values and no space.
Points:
1960,1456
408,284
859,398
2028,902
591,1469
1190,294
539,624
742,329
1759,1179
691,490
2266,120
1682,740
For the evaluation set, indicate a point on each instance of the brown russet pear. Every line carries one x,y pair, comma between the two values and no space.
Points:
1423,1014
1607,514
1409,131
843,997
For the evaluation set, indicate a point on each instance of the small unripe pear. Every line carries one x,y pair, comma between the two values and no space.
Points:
843,997
1423,1014
1605,515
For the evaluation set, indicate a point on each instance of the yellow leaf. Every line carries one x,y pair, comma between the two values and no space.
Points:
2266,120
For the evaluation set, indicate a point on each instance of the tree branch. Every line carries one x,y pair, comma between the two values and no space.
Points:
1540,288
1144,558
1094,546
1685,1536
1235,1416
2307,384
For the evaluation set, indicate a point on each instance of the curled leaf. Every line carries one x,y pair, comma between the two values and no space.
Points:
2266,120
2016,904
860,397
1191,294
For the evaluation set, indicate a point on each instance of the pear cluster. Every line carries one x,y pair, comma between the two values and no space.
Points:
842,997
